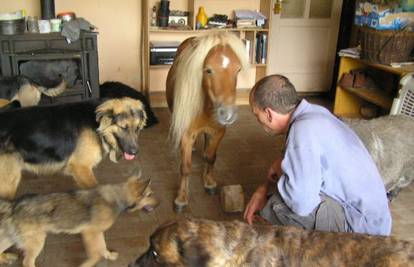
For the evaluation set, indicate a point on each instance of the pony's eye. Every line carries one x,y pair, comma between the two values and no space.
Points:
209,71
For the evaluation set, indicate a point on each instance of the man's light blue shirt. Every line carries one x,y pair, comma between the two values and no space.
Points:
324,156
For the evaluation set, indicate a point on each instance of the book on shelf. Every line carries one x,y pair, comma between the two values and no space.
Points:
264,48
261,47
249,49
245,23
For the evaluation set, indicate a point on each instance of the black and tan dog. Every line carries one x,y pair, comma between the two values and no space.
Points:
27,221
200,243
27,92
117,90
72,138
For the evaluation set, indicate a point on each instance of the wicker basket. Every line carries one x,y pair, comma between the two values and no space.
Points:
386,46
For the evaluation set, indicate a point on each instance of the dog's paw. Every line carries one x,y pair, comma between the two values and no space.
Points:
8,258
111,255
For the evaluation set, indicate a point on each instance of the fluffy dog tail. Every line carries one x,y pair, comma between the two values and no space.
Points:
53,91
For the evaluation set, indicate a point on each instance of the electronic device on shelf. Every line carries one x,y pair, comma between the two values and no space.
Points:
162,52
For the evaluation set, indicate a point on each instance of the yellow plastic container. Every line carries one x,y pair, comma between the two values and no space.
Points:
202,17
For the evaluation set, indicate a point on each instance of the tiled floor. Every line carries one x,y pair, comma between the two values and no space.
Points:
243,158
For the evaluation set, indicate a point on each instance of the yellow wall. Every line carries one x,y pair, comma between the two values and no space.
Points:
119,27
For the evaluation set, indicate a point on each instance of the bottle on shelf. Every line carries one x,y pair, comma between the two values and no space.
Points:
154,16
201,18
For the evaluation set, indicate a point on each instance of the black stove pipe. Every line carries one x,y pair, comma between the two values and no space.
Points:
48,9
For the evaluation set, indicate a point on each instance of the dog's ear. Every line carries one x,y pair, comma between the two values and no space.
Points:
138,185
104,114
104,118
141,115
143,185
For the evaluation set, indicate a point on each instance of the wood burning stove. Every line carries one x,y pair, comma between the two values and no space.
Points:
18,49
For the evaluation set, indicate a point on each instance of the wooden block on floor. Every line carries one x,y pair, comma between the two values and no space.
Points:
232,198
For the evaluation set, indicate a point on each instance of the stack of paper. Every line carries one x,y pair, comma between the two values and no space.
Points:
353,52
248,18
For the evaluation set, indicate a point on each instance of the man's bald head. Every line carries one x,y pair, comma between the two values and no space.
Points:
275,92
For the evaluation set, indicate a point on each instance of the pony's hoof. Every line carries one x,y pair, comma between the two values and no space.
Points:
179,208
211,190
179,205
111,255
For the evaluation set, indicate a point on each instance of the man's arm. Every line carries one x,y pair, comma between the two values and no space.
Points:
275,170
258,200
301,182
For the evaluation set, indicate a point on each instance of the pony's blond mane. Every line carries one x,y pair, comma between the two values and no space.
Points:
188,94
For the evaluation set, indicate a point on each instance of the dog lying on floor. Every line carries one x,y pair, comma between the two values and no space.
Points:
202,243
27,221
48,73
72,138
27,92
390,141
117,90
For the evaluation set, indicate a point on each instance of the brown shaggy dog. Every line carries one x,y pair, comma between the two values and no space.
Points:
71,138
27,221
202,243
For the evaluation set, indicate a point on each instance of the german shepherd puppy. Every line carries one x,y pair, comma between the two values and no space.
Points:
27,221
71,138
27,92
201,243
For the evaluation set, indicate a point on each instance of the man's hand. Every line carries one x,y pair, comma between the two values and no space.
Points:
275,170
256,203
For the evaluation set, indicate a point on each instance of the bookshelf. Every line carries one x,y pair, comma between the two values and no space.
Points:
349,100
154,76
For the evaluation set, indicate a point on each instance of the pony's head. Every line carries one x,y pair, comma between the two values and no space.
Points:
220,70
206,79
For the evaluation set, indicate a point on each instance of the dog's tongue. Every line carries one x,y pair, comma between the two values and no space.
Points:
128,156
148,208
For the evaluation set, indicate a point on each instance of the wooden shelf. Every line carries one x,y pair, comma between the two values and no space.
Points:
160,66
399,71
154,76
170,31
154,30
349,100
374,96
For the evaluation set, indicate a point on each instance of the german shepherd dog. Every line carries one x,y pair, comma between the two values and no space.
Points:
26,222
118,90
72,138
201,243
27,92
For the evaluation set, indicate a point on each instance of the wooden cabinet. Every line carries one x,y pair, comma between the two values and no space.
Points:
349,100
154,76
